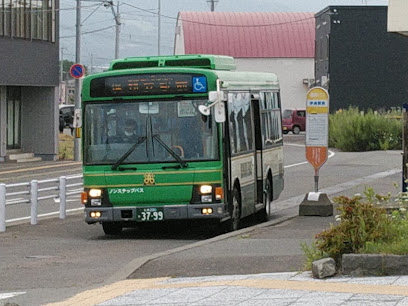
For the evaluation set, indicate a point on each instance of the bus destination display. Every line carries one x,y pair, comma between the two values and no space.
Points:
147,84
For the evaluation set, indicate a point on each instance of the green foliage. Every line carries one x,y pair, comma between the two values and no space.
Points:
364,226
359,222
353,131
312,254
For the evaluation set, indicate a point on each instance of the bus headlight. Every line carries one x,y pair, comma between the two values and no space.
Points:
95,193
205,189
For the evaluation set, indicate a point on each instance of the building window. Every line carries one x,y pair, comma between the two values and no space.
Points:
28,19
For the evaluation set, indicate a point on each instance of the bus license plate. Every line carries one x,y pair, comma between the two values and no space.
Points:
149,214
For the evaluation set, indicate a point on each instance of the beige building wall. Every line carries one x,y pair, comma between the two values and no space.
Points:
397,16
291,73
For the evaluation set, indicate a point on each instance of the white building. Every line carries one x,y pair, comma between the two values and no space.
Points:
282,43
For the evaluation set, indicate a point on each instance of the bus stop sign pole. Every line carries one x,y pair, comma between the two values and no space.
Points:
317,129
317,137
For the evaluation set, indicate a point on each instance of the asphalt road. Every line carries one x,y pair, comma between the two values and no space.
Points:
58,258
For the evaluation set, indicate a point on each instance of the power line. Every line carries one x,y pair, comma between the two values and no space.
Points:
89,32
226,25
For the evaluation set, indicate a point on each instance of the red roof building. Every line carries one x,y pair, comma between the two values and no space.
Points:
282,43
248,34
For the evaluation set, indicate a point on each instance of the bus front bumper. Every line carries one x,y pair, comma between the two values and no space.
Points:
173,212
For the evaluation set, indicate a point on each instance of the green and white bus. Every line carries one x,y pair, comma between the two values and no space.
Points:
208,142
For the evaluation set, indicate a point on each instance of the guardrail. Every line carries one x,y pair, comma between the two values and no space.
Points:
32,194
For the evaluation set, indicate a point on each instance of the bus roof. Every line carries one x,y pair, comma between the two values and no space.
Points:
240,80
213,62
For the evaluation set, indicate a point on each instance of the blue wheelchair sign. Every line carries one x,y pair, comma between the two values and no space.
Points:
199,84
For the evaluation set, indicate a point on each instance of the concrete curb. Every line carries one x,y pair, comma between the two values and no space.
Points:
374,264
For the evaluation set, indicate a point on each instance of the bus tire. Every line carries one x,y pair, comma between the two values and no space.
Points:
112,228
235,212
296,130
263,214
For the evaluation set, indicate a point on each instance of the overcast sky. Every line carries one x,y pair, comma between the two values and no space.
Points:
139,31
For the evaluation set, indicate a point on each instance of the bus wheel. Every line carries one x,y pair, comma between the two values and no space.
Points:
112,228
235,211
296,130
264,212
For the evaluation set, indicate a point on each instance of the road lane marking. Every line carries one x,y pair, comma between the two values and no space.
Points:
9,295
44,215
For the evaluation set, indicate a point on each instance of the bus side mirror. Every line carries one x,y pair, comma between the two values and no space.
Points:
216,99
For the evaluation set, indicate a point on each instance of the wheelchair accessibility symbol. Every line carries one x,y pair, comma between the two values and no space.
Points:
199,84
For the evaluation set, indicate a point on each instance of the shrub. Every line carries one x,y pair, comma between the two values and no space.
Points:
352,131
363,227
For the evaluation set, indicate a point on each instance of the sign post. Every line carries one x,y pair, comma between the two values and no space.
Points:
317,138
77,71
317,129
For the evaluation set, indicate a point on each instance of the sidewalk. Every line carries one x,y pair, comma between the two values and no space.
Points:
256,289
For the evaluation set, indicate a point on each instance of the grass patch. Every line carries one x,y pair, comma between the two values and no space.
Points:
66,147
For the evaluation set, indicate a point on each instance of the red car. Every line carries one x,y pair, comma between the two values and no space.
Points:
294,120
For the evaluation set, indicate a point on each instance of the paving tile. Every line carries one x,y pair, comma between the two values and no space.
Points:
139,297
375,299
189,295
181,280
280,293
320,301
383,280
327,295
401,281
274,276
268,302
234,294
403,302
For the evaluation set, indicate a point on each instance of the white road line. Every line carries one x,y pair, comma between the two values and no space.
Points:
44,215
8,295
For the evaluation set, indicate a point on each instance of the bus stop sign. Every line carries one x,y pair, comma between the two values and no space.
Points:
317,126
77,71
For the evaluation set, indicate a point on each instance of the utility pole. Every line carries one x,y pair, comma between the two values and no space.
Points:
92,64
158,29
77,140
212,2
117,21
62,66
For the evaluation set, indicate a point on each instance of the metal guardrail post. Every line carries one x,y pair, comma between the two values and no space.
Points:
63,196
2,208
34,201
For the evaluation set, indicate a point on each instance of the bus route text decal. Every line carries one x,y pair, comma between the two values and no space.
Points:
125,190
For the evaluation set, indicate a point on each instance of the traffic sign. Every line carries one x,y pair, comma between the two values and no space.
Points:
77,71
317,128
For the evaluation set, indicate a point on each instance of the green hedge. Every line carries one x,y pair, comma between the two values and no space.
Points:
353,131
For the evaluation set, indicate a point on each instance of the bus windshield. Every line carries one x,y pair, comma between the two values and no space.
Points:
148,132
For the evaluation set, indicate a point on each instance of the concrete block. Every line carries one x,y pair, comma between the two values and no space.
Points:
323,268
396,264
362,264
316,204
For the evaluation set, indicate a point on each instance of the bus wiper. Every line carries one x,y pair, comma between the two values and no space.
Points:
124,156
172,153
